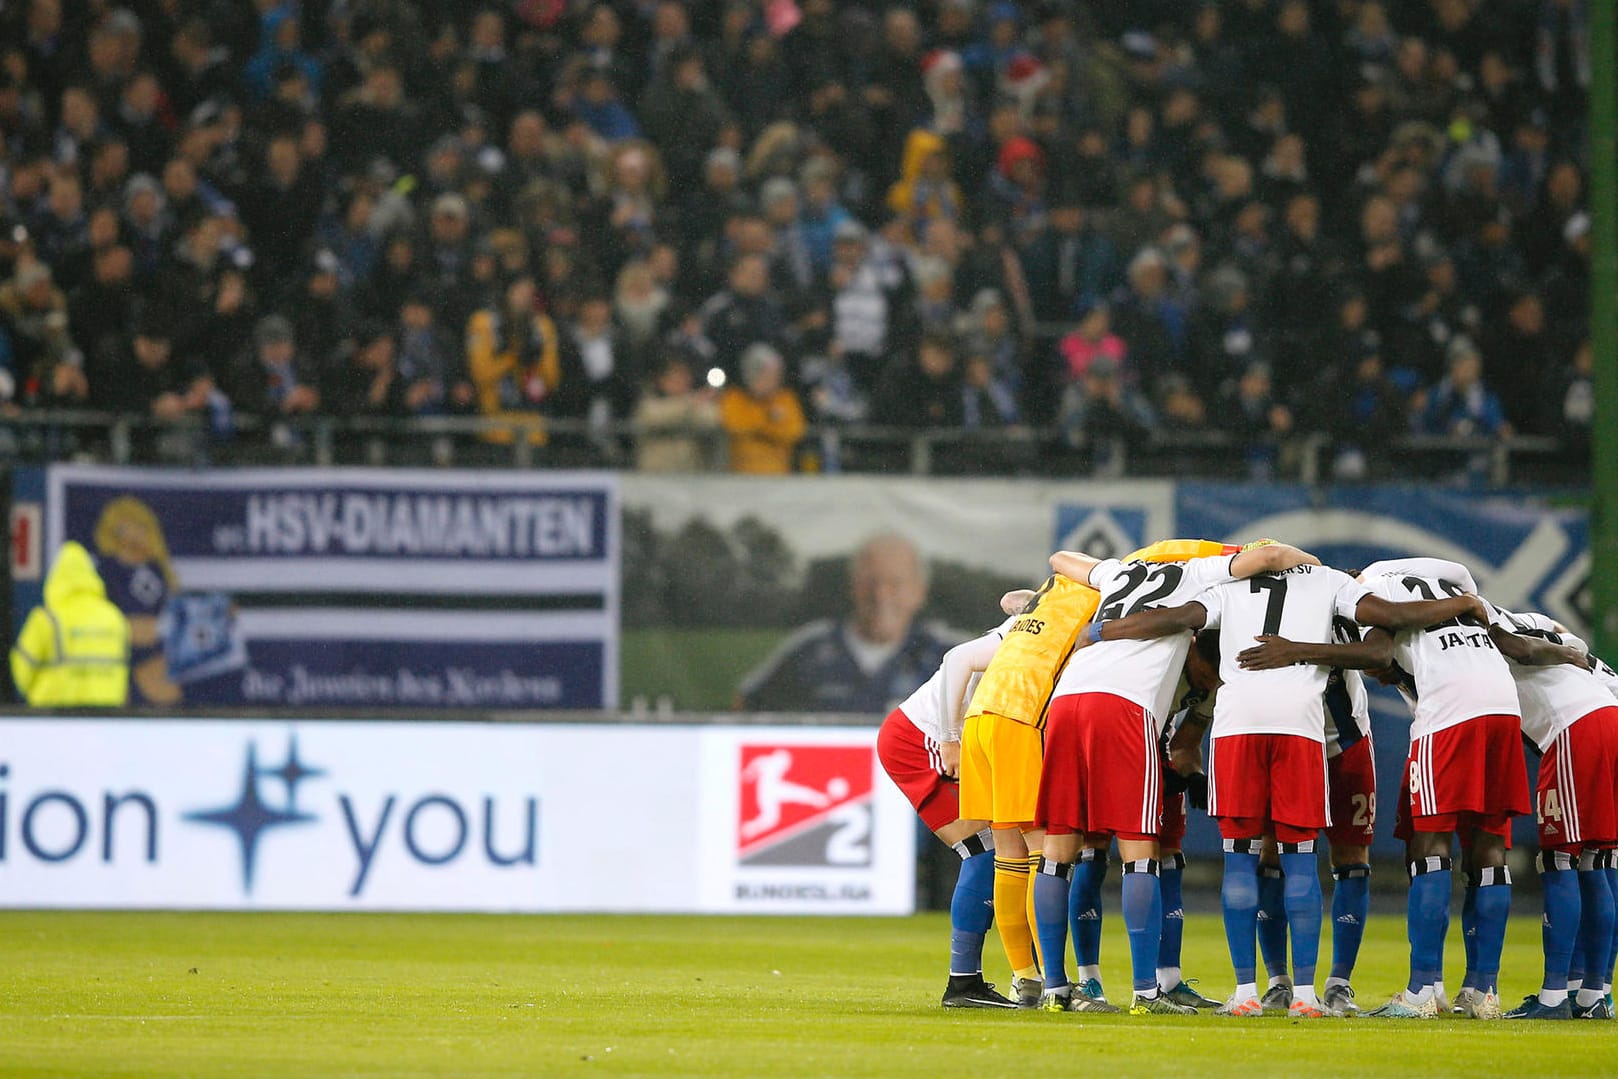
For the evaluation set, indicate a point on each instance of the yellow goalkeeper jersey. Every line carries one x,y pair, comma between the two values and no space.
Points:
1180,550
1019,680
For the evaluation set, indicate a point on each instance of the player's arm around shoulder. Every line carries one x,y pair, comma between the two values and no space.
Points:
1149,624
1375,610
1536,651
1423,566
1074,565
1268,556
1271,652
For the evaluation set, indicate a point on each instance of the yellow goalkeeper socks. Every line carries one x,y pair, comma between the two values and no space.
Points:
1028,906
1011,915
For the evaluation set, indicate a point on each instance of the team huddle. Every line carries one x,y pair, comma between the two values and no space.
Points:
1080,720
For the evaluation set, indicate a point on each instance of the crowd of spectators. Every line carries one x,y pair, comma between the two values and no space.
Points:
1359,217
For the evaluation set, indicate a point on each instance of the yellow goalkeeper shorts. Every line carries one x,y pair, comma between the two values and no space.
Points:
1000,766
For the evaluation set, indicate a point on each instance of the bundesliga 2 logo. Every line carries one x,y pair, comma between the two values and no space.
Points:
805,805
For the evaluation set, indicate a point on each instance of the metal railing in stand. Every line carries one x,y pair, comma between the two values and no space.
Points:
478,441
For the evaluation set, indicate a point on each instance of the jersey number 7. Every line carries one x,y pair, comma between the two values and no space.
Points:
1273,604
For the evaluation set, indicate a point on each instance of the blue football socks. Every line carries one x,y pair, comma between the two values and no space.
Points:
1170,877
971,908
1272,920
1597,919
1238,898
1605,973
1084,906
1303,908
1559,929
1469,934
1052,883
1494,908
1143,917
1427,920
1350,906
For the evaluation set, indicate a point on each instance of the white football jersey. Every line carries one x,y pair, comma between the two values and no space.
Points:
1603,673
1300,605
1348,706
938,704
1459,674
1441,568
1553,698
1143,672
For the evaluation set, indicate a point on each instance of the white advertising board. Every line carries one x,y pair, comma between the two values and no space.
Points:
345,815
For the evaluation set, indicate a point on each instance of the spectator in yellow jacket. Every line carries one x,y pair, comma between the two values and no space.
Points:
762,416
514,359
926,191
73,651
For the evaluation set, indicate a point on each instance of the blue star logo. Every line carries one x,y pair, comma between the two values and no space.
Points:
250,817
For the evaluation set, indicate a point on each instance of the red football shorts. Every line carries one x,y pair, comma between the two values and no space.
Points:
1469,777
1351,781
1464,823
1260,781
1577,804
1171,834
1103,771
911,760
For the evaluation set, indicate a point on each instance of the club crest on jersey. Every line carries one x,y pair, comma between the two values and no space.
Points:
805,805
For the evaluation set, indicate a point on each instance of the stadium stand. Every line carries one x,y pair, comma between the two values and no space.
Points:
1303,237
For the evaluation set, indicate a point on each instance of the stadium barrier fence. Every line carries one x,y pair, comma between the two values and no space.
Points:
39,436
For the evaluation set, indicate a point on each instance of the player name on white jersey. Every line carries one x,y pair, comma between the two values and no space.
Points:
1458,672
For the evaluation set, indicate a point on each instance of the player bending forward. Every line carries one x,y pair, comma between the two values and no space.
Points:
919,746
1572,720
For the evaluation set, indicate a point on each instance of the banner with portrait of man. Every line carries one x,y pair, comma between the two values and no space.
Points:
839,594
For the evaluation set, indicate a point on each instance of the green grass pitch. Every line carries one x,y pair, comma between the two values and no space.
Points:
268,995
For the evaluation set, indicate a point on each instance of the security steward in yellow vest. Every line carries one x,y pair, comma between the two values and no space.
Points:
73,652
